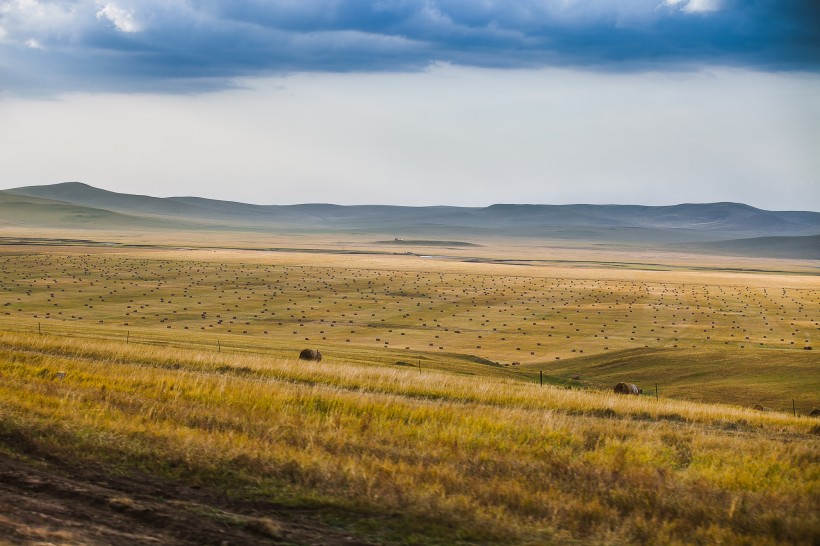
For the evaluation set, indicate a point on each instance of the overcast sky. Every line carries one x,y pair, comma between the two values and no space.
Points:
416,102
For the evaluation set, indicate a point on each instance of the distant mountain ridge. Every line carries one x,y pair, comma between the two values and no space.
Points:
684,223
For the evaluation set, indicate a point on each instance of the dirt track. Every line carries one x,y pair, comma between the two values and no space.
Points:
39,505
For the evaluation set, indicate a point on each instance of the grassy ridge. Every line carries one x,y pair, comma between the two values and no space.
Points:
418,456
772,378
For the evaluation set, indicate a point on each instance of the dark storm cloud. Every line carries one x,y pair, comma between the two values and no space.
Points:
178,46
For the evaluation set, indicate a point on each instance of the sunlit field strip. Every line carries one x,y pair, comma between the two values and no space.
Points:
496,457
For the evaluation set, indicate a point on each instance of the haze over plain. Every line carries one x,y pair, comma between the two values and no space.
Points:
416,103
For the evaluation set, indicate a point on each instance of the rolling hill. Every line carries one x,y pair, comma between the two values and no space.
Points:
29,211
806,246
720,227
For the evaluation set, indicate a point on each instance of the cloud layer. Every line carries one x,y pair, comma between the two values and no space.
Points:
448,135
50,46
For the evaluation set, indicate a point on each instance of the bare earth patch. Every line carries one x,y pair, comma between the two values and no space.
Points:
40,505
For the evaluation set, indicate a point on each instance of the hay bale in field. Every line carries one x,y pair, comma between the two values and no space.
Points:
760,407
576,377
807,348
814,413
310,354
627,388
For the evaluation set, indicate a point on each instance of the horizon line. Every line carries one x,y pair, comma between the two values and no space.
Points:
574,204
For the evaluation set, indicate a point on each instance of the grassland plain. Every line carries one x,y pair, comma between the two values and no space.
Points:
180,365
465,317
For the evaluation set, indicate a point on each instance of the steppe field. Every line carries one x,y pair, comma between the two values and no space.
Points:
153,394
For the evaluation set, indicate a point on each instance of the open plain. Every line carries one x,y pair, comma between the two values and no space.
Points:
161,384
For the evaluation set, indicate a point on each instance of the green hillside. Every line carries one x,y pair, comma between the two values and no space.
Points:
745,377
804,247
33,212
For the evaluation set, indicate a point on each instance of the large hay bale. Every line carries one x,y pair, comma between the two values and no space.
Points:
310,354
627,388
814,413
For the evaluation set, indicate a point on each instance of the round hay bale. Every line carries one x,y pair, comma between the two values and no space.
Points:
760,407
310,354
814,413
627,388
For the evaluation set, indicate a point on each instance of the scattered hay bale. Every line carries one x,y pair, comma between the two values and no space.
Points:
627,388
814,413
807,348
576,377
310,354
760,407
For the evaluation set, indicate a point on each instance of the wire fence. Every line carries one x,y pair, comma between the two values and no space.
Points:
253,345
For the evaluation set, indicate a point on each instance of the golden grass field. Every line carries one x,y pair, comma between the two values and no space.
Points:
426,421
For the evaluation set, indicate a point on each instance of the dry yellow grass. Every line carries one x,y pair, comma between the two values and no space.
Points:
466,448
465,317
497,460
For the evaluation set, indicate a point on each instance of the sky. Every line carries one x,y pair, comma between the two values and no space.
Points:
416,102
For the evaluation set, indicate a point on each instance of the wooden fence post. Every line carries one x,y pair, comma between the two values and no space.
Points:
541,373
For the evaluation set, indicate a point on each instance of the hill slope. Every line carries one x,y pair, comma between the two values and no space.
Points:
608,223
158,445
806,247
24,211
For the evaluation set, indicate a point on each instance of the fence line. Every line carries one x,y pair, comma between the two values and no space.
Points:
217,346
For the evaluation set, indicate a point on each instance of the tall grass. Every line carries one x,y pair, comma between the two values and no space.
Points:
430,456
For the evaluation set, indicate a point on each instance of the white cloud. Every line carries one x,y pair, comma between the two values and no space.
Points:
122,18
36,24
702,6
695,6
35,15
